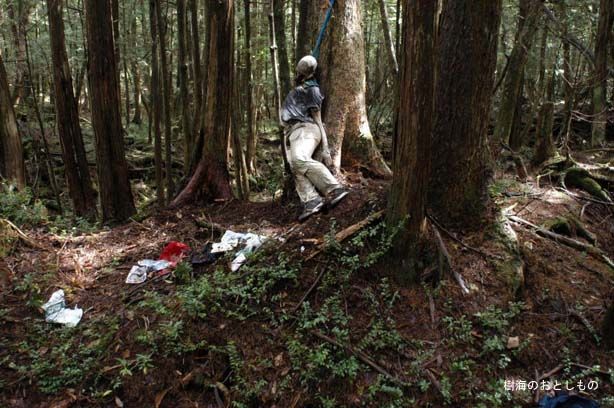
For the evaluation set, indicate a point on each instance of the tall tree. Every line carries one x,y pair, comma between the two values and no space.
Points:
76,168
343,82
11,161
602,45
390,48
182,76
412,147
279,14
115,192
156,101
252,141
468,37
211,179
19,13
512,85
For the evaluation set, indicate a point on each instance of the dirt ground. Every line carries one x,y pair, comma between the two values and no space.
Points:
433,346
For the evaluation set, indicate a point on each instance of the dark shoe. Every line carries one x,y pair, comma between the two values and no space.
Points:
335,196
311,207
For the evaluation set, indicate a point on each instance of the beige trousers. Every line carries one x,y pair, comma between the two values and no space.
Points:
310,175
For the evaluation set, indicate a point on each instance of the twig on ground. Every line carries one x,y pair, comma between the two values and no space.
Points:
362,357
348,232
550,373
311,289
27,240
446,255
470,248
585,322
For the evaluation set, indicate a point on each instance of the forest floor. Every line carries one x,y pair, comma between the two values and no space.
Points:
295,327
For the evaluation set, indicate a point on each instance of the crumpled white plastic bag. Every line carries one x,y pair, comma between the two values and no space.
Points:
57,312
230,240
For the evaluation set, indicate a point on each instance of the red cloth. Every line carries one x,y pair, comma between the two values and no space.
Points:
174,252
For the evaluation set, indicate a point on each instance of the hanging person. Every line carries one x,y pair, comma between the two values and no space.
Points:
301,116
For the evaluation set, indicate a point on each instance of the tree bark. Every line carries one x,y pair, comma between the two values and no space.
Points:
392,55
252,141
19,25
166,98
182,71
282,46
76,168
512,86
198,80
115,192
604,35
156,101
343,83
461,164
412,147
211,179
11,164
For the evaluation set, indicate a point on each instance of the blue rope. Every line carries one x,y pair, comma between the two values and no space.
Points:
316,51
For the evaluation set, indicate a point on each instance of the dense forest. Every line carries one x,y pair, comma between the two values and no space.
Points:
306,203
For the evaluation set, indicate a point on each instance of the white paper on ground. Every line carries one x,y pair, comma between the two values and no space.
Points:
230,240
56,311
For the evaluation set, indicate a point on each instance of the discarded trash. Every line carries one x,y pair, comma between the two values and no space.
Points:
57,312
230,240
513,342
138,273
567,401
205,256
174,252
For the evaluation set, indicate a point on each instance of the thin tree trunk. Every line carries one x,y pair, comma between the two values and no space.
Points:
166,98
282,45
115,192
156,101
76,168
512,86
412,148
392,55
12,164
252,141
198,82
182,70
461,165
602,45
211,179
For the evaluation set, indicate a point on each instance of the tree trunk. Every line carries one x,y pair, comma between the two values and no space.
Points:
544,147
282,46
156,101
512,86
76,168
11,161
182,71
19,25
412,147
461,167
166,98
252,141
115,192
198,81
392,55
211,179
604,34
343,83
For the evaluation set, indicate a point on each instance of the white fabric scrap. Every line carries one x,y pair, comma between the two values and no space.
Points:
231,240
57,312
138,273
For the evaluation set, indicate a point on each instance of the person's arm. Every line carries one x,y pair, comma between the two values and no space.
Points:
326,158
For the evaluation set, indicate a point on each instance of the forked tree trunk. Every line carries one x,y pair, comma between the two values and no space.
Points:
412,147
11,161
512,85
211,179
461,167
76,168
115,192
602,45
343,83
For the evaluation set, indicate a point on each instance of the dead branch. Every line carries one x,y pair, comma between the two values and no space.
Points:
27,240
362,357
444,251
348,232
310,290
572,243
